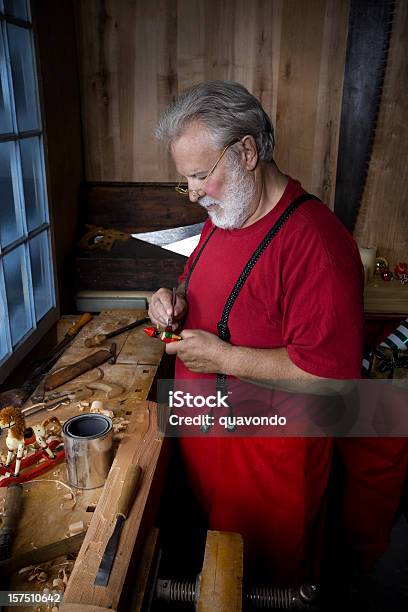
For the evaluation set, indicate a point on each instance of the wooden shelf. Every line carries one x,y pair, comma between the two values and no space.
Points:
386,299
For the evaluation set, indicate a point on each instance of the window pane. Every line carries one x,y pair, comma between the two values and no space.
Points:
41,274
24,83
6,125
15,277
4,348
10,218
31,165
16,8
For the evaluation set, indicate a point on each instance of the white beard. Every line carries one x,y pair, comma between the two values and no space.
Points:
235,208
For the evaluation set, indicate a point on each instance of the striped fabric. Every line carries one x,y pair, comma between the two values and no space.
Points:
398,339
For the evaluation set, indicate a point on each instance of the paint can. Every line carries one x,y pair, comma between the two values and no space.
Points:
88,442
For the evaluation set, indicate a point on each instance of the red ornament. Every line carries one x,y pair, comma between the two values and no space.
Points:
151,331
387,275
401,269
164,336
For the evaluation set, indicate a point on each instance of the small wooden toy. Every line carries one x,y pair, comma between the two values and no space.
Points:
19,436
164,336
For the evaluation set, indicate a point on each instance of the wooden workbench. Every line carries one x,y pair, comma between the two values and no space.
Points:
45,517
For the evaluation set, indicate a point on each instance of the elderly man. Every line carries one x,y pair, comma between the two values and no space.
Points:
298,315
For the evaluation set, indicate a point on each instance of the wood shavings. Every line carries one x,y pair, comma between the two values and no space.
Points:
75,528
99,374
68,502
62,575
96,406
120,425
56,406
38,574
59,482
54,577
23,570
57,583
68,505
111,389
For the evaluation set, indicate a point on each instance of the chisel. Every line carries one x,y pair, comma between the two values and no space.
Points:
100,338
130,488
73,330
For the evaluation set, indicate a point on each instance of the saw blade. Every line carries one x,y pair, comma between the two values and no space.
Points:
167,236
369,34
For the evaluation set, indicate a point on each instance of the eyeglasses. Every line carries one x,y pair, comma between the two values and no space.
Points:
184,190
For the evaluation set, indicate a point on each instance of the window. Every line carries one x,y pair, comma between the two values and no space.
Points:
27,293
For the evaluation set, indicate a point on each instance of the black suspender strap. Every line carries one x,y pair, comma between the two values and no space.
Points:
193,265
222,325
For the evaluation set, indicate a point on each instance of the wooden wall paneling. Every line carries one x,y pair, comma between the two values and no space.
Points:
94,81
313,45
142,207
289,54
128,77
155,64
191,42
328,109
383,215
231,39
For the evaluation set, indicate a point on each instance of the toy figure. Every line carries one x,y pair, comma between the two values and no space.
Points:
165,336
19,436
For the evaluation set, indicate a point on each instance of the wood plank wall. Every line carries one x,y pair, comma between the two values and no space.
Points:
136,56
383,217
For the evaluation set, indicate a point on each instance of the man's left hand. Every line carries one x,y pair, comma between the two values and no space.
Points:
201,351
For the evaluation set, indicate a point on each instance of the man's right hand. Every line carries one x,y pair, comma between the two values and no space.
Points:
161,308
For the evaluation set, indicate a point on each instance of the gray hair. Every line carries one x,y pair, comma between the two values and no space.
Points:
227,110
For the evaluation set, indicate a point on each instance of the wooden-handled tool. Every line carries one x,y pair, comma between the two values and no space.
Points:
60,377
169,326
100,338
11,515
17,397
73,330
126,499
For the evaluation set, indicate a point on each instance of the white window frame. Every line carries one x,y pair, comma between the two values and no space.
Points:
37,328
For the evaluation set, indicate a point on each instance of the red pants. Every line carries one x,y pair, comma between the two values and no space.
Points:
374,477
268,489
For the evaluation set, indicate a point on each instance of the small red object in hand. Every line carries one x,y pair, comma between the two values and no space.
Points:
164,336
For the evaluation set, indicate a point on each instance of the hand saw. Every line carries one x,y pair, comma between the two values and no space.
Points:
181,240
369,34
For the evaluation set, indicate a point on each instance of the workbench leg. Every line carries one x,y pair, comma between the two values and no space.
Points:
222,573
